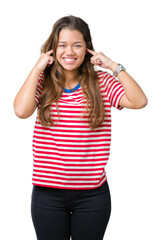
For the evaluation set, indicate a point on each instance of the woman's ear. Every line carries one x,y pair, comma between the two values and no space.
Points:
88,46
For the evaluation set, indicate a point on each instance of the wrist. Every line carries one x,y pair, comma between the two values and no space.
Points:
113,66
36,69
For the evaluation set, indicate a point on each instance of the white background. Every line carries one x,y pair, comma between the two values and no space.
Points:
127,32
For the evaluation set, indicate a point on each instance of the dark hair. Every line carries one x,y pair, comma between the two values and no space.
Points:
55,78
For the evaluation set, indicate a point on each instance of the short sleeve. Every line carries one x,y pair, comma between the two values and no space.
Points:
113,89
39,87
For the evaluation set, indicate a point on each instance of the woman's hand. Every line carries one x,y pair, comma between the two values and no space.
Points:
44,61
134,96
99,59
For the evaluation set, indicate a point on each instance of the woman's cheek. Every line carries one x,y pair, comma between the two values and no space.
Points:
82,54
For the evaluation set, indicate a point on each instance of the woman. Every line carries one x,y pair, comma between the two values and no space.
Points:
72,134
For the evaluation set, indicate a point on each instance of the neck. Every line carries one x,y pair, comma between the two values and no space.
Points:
71,79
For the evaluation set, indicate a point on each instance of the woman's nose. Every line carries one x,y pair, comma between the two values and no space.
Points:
69,50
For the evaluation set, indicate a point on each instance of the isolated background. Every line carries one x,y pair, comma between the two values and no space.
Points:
126,31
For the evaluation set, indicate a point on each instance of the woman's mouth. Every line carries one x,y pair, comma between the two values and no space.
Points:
69,60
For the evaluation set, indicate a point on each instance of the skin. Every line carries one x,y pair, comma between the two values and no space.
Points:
134,96
24,102
71,45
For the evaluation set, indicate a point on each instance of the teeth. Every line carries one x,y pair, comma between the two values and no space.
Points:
69,59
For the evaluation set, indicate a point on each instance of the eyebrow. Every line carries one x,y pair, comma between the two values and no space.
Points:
74,42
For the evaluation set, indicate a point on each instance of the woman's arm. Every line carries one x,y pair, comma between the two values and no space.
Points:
24,102
134,96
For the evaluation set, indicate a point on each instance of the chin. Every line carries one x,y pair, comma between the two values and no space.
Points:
69,67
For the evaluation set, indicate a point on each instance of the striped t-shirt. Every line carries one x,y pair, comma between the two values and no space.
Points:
69,155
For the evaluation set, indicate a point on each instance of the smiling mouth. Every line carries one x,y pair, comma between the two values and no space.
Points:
69,60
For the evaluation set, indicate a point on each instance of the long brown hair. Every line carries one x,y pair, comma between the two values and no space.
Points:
55,78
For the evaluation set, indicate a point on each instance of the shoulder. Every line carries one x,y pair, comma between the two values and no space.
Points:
103,74
104,77
41,79
41,76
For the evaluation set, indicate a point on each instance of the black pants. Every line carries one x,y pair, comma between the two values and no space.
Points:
59,214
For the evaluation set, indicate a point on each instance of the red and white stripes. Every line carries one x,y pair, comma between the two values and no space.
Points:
70,155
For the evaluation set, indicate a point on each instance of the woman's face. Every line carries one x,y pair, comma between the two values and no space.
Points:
71,49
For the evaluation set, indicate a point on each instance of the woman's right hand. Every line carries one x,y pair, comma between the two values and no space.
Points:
44,61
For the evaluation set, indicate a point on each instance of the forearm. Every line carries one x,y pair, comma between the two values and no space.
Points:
24,102
133,91
134,96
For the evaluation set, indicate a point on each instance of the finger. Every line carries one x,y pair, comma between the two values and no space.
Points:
97,63
49,52
51,60
95,59
91,52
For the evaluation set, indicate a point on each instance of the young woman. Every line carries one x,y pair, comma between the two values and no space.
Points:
72,134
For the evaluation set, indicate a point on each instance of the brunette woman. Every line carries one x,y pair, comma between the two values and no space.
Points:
72,133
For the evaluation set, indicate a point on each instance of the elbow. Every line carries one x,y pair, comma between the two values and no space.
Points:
20,114
143,103
23,114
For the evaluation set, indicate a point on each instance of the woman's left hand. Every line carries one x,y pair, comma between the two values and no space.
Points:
134,97
99,59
